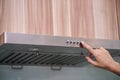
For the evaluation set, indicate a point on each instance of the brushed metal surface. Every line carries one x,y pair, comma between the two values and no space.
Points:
30,39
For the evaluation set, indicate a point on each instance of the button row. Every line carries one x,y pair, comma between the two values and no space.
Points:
73,42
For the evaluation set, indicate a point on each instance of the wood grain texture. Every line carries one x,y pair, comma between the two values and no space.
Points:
118,15
12,16
82,20
61,17
77,18
105,19
39,18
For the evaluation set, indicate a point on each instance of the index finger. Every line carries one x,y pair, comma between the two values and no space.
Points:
89,48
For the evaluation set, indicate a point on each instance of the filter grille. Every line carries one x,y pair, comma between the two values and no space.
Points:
14,54
33,58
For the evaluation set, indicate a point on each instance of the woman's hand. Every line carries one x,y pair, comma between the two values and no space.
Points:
102,58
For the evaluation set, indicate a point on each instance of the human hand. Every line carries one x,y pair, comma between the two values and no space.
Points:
102,57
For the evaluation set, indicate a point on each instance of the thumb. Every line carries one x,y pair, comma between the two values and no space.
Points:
91,61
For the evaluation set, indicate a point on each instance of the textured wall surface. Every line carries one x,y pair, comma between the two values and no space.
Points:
118,15
77,18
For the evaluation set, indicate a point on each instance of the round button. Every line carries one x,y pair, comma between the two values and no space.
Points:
74,42
71,42
68,41
78,42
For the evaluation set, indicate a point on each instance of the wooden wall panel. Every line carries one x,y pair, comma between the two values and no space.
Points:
61,17
118,15
12,17
77,18
4,16
39,17
105,19
82,20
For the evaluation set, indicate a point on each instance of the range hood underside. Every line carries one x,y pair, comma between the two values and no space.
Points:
26,49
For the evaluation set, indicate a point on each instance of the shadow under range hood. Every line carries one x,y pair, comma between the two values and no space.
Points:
28,49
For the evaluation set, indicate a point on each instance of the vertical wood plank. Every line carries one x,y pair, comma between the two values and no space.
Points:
118,15
61,17
4,15
105,19
39,18
17,16
12,16
82,22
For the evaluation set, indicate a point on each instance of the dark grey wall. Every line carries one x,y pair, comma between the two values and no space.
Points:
45,73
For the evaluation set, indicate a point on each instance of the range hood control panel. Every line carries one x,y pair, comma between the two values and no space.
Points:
74,42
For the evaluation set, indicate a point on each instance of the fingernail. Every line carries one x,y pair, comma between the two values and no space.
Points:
81,44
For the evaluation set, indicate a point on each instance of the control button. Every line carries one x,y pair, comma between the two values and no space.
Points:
71,42
68,41
78,42
74,42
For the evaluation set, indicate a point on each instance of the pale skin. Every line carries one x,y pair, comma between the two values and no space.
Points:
103,59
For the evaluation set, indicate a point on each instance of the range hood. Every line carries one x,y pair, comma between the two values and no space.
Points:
28,49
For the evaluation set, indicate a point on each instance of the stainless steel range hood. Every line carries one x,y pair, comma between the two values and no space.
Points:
27,49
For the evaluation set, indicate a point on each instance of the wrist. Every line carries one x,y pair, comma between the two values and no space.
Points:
114,66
